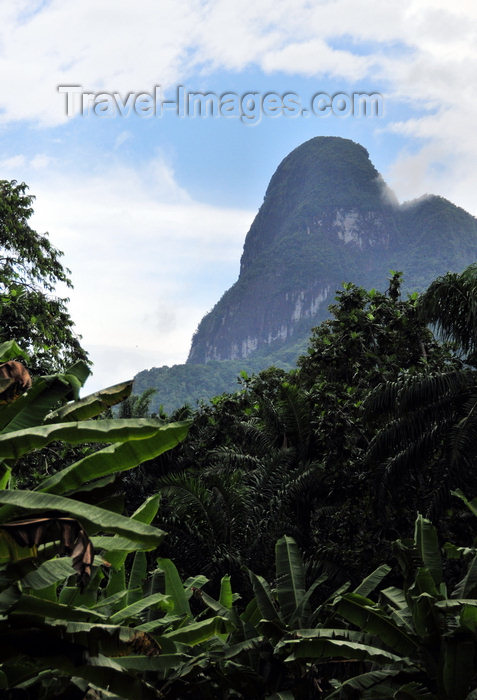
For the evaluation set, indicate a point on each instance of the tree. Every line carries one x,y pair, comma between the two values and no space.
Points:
137,406
372,338
30,269
450,304
430,420
287,453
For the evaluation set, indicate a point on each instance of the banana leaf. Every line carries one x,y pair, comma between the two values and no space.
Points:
123,545
302,614
290,576
226,596
53,571
116,458
31,408
174,587
137,577
109,675
331,648
93,518
10,350
110,602
396,597
365,681
116,554
31,605
116,582
363,613
162,664
425,537
469,583
14,445
198,632
264,598
92,405
131,611
371,582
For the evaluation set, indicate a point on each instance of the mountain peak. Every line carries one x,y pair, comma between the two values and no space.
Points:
327,218
324,172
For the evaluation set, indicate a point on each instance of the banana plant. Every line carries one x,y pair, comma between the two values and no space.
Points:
422,642
187,643
54,632
237,654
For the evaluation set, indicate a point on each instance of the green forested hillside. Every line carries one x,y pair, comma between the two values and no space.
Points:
189,384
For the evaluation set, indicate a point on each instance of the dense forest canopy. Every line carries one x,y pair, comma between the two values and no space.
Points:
309,535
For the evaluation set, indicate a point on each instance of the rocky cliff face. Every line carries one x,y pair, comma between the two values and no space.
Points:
327,218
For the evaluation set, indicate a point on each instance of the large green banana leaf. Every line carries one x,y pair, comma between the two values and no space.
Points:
119,545
396,597
32,605
102,672
131,611
31,408
363,613
303,616
226,597
115,554
137,577
52,571
77,649
468,584
321,647
92,405
264,598
20,442
290,576
371,582
9,350
93,518
368,680
174,587
116,458
161,664
198,632
425,537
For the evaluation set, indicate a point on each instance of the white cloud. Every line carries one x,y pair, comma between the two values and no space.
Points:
122,138
13,163
41,161
316,57
147,261
121,46
424,50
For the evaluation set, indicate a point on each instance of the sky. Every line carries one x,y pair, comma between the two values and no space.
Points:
150,204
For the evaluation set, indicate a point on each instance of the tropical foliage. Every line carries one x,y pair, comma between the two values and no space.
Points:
277,499
58,631
30,269
291,452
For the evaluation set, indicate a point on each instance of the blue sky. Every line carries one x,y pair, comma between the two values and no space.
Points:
152,213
